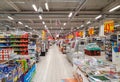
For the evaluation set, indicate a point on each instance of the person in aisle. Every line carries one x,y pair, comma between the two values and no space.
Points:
43,49
37,54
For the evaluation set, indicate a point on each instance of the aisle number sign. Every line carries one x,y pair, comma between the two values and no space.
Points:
91,31
109,26
43,34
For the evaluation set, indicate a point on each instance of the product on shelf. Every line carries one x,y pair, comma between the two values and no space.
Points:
96,70
110,42
18,68
5,53
24,65
15,41
10,71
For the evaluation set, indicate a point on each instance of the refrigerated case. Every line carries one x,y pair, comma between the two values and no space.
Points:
76,49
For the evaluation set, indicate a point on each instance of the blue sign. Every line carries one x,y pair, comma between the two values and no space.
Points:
28,76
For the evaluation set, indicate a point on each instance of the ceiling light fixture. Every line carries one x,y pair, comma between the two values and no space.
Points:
77,27
26,25
99,16
82,26
34,7
30,27
10,18
115,8
20,2
7,25
61,28
43,22
40,17
20,22
117,25
64,24
46,6
70,14
45,26
88,22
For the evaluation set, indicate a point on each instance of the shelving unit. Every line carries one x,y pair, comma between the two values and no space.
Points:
116,54
17,42
32,46
118,39
110,42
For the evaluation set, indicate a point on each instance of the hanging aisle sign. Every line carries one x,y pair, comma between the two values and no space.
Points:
91,31
81,33
43,34
70,36
109,26
77,34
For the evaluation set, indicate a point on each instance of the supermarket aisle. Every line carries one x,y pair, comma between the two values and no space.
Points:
53,67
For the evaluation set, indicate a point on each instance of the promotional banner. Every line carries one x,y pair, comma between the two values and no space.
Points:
77,34
108,26
70,36
43,34
91,31
81,33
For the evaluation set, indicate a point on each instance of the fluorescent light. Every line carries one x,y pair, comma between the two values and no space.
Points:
30,27
64,24
34,7
20,2
10,18
117,25
46,6
70,14
20,22
26,25
88,22
77,27
115,8
7,25
82,26
46,27
43,22
40,17
99,16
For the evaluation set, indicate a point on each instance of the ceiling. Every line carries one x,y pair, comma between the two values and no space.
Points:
83,11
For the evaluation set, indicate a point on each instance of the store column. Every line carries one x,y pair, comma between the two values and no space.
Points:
84,33
101,30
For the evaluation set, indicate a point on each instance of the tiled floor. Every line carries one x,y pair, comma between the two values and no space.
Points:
53,67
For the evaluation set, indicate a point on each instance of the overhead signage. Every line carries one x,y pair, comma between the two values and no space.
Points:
91,31
109,26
